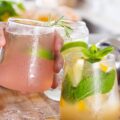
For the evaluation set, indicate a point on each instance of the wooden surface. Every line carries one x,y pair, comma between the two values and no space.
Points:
16,106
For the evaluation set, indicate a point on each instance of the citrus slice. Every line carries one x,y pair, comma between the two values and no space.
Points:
73,46
104,67
77,72
42,53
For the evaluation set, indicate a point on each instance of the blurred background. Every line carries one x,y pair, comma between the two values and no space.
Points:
101,16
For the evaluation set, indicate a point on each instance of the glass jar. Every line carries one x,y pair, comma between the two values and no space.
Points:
28,59
89,90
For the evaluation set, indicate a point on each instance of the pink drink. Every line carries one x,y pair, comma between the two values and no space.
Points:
25,67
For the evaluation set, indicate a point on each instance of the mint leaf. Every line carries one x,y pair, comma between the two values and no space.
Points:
93,49
104,52
21,6
94,54
107,81
73,94
90,55
86,53
86,86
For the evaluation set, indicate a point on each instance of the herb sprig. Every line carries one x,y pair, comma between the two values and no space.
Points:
8,9
61,22
86,87
94,54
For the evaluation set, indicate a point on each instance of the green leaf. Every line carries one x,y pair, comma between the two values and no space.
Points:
107,81
104,52
86,86
93,60
86,53
8,7
93,49
21,6
94,54
74,94
8,1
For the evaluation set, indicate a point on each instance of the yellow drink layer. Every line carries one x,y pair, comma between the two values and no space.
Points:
88,109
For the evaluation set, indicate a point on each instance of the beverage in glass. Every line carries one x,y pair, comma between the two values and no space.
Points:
89,90
28,63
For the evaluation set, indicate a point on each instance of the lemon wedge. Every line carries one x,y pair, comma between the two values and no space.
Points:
104,67
77,71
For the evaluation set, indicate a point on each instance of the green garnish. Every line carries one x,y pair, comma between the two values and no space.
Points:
42,54
70,45
61,22
94,54
8,9
89,82
86,86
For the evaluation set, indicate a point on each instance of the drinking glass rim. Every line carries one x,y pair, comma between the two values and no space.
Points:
22,26
40,24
